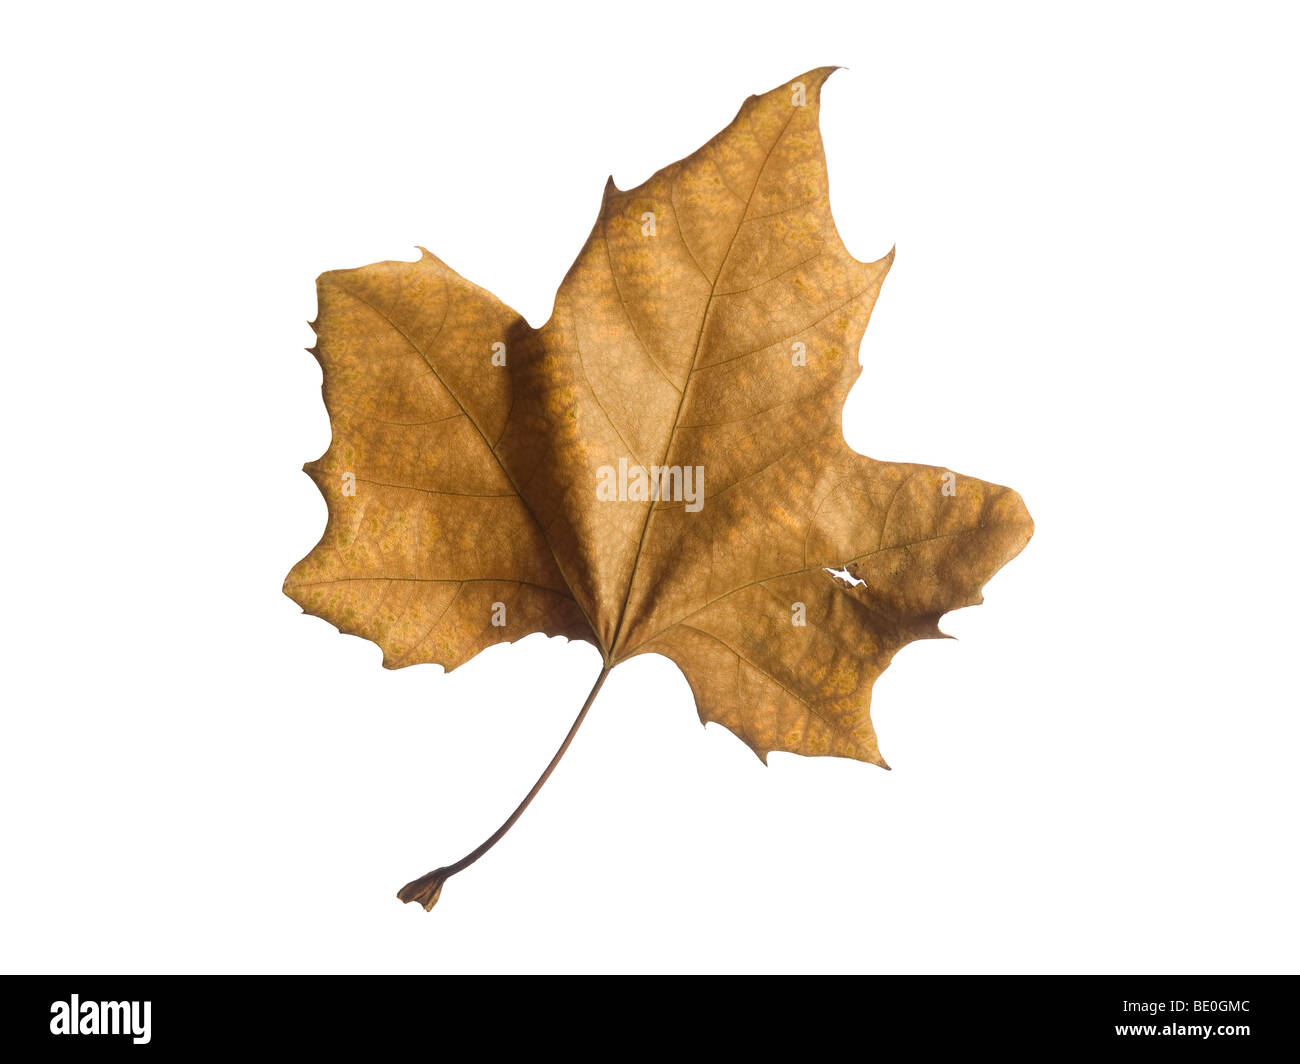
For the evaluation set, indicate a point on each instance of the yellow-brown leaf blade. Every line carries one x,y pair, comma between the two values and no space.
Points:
426,534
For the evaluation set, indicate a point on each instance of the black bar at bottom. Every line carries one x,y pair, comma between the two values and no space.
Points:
1221,1015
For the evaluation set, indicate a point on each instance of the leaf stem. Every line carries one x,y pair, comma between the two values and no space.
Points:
428,887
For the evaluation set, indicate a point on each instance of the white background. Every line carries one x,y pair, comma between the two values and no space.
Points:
1094,301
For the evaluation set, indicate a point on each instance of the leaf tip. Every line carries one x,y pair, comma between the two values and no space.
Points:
814,81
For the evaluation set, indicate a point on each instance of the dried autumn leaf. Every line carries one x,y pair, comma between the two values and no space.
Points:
487,480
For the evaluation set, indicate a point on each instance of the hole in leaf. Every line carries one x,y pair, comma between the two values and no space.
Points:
846,577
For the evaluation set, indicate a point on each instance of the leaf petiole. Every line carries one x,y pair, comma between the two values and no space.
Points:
428,887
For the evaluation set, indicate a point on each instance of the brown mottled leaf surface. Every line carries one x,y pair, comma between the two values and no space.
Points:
476,483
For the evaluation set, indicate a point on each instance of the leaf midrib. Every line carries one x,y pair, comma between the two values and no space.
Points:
681,402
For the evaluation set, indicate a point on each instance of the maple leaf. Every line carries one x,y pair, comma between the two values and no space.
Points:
660,468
